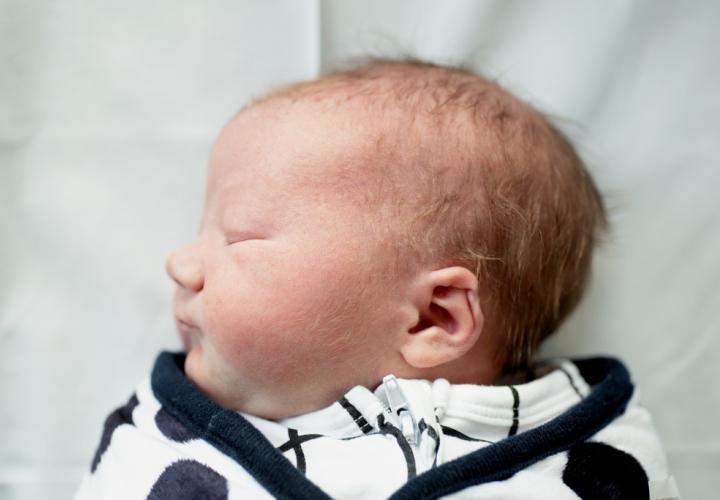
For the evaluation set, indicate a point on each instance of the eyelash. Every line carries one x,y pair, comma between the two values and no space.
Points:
240,239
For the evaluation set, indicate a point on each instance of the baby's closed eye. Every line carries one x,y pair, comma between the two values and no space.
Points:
233,238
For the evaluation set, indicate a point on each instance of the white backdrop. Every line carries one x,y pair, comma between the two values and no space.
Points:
108,111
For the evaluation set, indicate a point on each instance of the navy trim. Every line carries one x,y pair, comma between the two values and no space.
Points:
233,435
228,431
503,459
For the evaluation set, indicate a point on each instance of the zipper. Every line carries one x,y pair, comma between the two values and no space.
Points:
401,408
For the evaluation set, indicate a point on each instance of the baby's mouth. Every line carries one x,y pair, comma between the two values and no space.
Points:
188,333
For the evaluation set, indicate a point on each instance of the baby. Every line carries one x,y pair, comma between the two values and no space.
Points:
382,251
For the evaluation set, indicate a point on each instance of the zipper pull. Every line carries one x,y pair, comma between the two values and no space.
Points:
400,407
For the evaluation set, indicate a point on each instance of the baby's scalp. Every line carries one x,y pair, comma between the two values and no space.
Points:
456,170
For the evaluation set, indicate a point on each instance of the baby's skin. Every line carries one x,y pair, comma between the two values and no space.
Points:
395,221
290,295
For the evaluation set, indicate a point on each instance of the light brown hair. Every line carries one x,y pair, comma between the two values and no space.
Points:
491,185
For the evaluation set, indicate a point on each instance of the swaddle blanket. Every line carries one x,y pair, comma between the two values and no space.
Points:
575,431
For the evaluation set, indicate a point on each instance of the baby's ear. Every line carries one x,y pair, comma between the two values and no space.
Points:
449,317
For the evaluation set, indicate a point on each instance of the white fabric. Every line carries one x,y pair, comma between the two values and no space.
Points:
348,462
483,413
139,454
108,110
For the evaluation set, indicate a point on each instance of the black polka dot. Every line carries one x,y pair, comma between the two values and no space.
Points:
171,427
189,480
122,415
599,471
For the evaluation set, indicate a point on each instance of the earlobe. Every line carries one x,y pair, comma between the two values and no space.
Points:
449,318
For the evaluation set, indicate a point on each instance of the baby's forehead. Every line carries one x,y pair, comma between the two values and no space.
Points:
385,133
301,142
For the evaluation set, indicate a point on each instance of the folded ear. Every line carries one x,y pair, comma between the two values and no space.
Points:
449,317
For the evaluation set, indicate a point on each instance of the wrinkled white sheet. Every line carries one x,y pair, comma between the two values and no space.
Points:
108,111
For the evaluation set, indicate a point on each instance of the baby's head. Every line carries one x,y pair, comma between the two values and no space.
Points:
396,218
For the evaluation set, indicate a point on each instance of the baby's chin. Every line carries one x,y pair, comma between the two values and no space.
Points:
268,401
193,364
217,382
212,385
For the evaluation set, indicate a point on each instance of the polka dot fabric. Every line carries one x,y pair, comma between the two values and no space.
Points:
170,442
189,480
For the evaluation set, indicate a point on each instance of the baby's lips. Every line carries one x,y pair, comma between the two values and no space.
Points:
184,325
187,332
183,320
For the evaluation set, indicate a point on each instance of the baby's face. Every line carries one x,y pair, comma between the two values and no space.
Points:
285,299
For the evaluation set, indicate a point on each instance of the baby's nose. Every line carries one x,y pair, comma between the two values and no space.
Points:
185,268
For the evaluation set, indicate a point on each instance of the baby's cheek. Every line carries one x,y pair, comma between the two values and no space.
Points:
223,314
240,331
